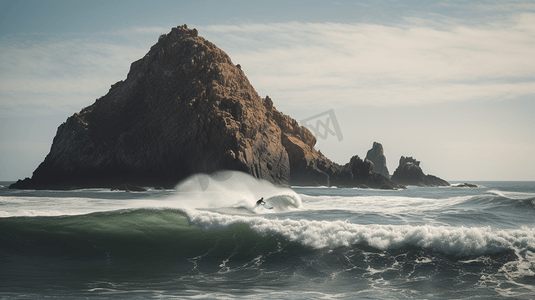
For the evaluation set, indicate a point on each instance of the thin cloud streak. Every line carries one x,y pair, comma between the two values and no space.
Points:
368,64
63,73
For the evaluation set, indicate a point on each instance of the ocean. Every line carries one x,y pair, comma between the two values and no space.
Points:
207,239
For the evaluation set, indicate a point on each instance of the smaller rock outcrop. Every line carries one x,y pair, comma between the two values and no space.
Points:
363,173
466,185
377,157
129,188
410,173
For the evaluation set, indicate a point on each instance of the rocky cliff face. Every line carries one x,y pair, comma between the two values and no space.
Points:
377,157
185,108
410,173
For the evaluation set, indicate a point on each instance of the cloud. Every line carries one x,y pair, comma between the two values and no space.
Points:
46,73
370,64
491,6
327,65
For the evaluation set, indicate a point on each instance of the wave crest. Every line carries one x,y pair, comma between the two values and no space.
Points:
458,241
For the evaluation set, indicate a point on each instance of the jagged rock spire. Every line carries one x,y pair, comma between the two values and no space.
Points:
377,157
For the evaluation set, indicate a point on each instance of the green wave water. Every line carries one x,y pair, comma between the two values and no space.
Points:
446,243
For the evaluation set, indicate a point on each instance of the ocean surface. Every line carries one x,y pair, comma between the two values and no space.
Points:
207,239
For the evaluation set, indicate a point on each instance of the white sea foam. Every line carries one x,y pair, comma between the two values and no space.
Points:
331,234
57,206
385,204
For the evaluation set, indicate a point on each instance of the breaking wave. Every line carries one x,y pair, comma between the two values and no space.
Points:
159,229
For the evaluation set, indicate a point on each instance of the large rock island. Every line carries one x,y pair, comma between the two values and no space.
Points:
186,108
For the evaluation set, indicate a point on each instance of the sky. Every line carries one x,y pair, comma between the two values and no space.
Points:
450,83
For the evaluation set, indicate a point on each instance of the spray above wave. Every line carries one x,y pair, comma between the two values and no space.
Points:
512,195
504,201
226,191
232,189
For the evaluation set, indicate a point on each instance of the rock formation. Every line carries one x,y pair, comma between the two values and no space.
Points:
377,157
410,173
185,108
129,188
466,185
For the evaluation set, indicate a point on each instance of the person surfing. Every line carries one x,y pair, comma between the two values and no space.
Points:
260,202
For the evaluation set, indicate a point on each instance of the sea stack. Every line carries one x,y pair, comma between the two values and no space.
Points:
410,173
186,108
377,156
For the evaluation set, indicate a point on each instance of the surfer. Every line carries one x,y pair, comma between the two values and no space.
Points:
261,201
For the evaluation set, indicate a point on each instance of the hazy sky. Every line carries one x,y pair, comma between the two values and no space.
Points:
451,83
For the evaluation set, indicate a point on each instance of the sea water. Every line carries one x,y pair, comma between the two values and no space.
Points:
207,239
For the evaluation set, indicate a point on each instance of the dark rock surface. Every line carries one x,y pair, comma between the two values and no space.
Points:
186,108
466,185
410,173
129,188
377,156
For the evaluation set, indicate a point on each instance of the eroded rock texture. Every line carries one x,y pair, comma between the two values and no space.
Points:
377,156
410,173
